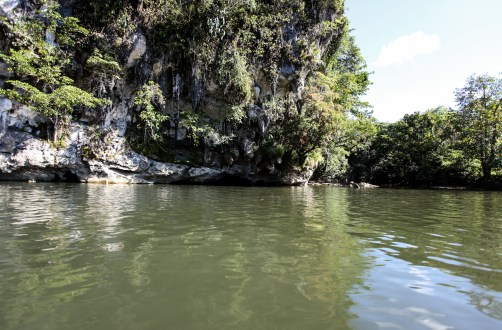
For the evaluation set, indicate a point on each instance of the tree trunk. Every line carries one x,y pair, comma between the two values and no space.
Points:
487,172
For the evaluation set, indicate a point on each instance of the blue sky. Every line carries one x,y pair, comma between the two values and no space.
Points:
421,50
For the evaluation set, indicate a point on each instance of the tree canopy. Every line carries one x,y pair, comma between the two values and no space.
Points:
480,120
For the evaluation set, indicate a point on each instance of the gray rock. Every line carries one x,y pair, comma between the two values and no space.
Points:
23,117
116,119
204,174
4,70
138,50
180,135
248,147
7,7
240,170
24,157
129,161
166,173
287,71
5,105
50,37
91,157
368,185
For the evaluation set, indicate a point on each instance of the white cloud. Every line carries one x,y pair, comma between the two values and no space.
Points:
406,48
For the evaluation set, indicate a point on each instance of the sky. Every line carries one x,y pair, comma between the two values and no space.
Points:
420,51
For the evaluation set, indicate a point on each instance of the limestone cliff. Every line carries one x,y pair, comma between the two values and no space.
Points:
233,82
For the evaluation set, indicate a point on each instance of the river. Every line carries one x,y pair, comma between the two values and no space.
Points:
76,256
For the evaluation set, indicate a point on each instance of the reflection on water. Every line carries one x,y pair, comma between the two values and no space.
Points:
150,257
436,255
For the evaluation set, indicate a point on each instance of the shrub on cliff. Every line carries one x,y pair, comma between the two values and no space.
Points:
39,54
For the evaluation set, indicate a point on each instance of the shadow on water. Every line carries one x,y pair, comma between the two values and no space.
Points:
184,257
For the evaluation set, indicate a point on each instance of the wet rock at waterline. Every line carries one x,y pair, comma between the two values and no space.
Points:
24,157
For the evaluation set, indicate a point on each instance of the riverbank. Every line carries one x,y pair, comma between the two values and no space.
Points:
494,186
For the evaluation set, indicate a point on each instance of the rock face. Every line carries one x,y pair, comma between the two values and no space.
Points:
24,157
7,7
139,49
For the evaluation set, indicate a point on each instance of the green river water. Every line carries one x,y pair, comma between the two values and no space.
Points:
198,257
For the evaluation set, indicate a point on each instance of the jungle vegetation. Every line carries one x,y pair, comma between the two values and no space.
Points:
441,146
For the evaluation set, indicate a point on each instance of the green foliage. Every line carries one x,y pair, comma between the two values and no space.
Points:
103,64
149,98
228,39
419,150
322,117
332,120
99,14
480,120
197,126
335,167
313,159
349,67
440,146
39,66
274,151
232,114
234,75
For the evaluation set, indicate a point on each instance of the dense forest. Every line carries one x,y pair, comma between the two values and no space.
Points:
271,86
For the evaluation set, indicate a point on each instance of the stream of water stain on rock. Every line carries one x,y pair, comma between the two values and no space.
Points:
194,257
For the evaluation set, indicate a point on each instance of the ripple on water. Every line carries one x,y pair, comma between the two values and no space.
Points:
459,263
231,258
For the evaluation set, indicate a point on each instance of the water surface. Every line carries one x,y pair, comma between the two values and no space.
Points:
191,257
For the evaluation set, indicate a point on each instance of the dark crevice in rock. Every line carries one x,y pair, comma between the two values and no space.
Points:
234,181
71,177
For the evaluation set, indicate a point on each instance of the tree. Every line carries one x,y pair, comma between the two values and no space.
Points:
420,149
353,130
480,120
41,51
148,98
